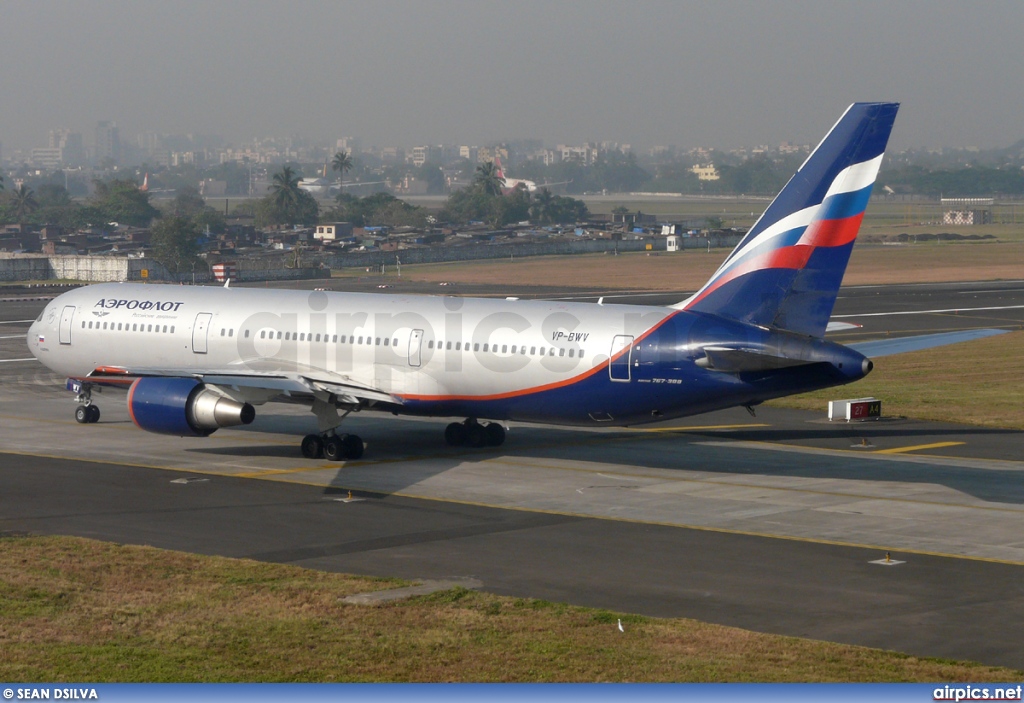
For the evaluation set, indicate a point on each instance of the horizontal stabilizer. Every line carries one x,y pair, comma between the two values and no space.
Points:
729,360
901,345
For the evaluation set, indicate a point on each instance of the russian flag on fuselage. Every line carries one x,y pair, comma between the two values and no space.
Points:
786,271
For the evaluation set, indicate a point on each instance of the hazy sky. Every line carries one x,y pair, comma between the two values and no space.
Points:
394,72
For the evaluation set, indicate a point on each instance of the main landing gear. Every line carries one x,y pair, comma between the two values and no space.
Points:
332,446
86,413
472,434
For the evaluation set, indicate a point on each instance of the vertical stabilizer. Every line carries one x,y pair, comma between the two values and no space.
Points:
786,272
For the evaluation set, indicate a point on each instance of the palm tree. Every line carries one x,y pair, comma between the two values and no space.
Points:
487,178
286,189
342,163
24,202
543,204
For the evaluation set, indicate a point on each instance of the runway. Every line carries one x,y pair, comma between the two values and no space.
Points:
768,523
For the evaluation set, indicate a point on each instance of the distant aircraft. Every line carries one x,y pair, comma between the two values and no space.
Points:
321,186
158,191
510,184
197,359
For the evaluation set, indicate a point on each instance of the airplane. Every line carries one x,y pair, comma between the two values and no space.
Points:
510,184
320,185
196,359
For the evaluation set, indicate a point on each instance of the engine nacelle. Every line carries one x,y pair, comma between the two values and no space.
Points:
183,407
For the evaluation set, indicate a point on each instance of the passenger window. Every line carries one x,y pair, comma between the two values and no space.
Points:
104,325
504,348
485,346
458,346
448,346
394,342
223,332
231,332
561,352
387,341
476,347
581,353
278,334
246,333
343,337
318,338
150,328
165,329
572,352
533,351
263,334
378,341
334,339
430,344
135,328
513,348
118,326
172,331
360,340
522,350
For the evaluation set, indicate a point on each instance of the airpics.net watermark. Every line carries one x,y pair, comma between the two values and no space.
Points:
977,693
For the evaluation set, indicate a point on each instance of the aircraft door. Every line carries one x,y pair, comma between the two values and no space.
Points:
200,332
415,341
66,318
619,367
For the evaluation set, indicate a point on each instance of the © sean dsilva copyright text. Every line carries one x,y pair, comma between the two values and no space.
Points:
45,693
977,693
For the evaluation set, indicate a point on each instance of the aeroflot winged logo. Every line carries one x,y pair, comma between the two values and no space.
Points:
118,303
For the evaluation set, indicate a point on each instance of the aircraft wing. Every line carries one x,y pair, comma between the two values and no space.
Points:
259,386
901,345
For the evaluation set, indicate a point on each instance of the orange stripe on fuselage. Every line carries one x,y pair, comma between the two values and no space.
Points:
548,386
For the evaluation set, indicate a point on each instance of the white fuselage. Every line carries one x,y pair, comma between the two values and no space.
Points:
419,346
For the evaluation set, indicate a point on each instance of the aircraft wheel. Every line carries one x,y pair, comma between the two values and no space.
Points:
334,449
455,434
82,414
312,446
495,434
476,435
92,413
352,446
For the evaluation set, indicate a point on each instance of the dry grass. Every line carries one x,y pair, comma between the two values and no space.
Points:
73,610
687,271
981,383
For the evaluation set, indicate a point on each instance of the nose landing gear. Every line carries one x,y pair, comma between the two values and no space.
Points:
86,413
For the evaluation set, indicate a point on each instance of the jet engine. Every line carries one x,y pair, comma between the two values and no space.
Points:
183,407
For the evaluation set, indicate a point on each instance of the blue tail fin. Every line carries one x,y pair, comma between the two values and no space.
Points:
786,272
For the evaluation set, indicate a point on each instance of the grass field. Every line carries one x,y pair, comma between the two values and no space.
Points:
883,217
79,610
976,383
687,271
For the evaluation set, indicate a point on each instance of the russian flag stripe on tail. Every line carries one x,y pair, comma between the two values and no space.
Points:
786,271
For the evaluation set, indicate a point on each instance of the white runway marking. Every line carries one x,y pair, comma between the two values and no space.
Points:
930,312
8,361
13,336
15,322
